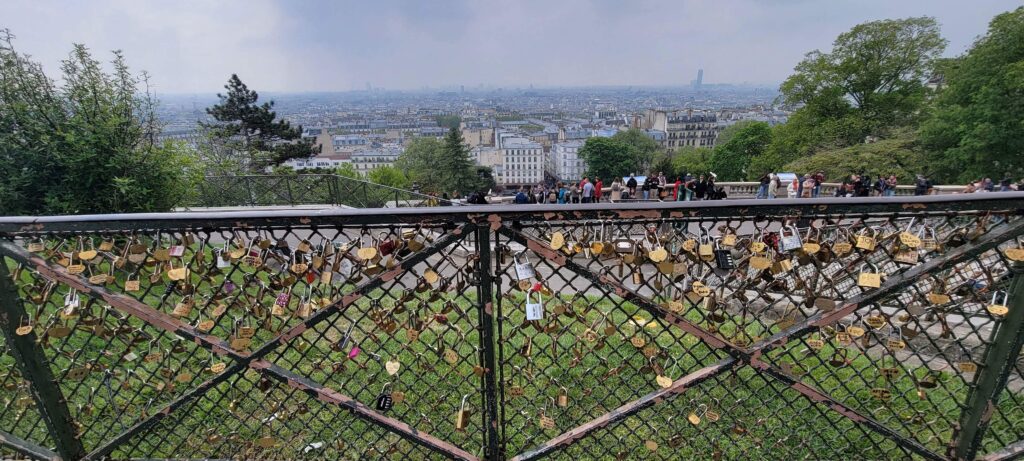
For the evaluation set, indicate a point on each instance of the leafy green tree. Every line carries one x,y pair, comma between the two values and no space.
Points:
248,135
347,170
607,158
976,129
448,121
870,83
879,66
691,160
389,176
87,145
642,148
439,166
900,155
730,160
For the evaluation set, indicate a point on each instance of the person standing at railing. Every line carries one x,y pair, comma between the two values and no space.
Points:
631,185
616,189
793,188
808,186
773,185
649,181
574,193
598,187
890,186
701,189
819,179
588,191
563,193
762,188
922,185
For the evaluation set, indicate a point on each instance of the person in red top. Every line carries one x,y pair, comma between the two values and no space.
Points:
675,191
597,189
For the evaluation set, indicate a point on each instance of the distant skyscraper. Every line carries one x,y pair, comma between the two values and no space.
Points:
699,81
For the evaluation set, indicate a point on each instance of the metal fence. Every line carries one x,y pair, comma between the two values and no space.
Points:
303,189
804,329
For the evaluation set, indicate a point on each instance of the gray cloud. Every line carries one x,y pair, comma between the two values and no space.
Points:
194,45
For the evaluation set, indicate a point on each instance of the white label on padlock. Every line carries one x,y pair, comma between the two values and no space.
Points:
222,259
534,311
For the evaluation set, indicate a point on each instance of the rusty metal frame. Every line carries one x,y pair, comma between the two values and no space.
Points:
242,361
31,360
485,222
752,355
28,448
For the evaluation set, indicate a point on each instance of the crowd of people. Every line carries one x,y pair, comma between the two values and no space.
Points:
654,187
863,185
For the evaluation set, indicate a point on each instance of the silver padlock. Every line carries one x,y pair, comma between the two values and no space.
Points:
524,270
789,239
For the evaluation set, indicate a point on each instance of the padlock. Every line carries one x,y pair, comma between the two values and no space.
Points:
789,239
723,258
462,416
999,306
524,270
869,279
563,397
534,310
706,250
867,242
907,256
384,401
623,245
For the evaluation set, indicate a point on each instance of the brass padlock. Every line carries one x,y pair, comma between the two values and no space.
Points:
999,307
869,279
462,416
563,397
867,242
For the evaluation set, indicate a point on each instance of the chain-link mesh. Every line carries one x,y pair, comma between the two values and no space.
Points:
809,333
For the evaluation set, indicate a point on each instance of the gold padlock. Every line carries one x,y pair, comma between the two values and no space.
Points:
462,416
867,242
563,397
869,279
999,307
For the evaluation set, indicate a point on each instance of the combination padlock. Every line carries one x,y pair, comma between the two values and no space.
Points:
723,257
384,400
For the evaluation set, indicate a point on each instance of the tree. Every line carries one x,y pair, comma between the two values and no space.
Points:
872,82
87,145
880,66
439,166
691,160
248,136
347,170
458,174
607,158
900,155
730,160
389,176
976,129
448,121
642,148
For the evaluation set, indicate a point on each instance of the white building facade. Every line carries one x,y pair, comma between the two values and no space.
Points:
522,162
565,162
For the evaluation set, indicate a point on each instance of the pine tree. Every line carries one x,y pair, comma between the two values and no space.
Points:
250,131
457,171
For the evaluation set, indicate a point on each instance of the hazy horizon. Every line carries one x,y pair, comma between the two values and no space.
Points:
192,47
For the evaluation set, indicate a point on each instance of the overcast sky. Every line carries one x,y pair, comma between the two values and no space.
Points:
194,46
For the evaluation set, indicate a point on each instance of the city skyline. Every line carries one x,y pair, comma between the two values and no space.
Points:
192,47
